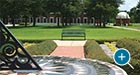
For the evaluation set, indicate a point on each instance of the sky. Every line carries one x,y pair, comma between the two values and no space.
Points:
128,4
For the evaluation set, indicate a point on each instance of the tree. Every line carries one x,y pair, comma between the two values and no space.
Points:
102,10
11,9
36,9
52,6
135,13
4,11
25,12
14,9
64,8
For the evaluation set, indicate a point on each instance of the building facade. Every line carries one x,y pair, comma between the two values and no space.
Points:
123,18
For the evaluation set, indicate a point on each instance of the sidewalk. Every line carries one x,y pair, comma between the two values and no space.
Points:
69,51
107,50
74,49
125,28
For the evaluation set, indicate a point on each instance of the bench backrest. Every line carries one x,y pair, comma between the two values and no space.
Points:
73,31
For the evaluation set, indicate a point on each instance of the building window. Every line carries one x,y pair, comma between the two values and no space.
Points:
38,20
85,20
45,20
79,20
51,19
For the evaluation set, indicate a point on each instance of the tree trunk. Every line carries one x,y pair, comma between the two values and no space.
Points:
13,22
66,21
70,21
4,20
34,21
26,18
104,22
58,22
100,22
88,20
7,20
62,20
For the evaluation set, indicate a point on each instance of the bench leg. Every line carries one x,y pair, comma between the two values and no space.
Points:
61,37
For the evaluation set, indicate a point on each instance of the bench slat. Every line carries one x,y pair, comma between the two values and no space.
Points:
73,33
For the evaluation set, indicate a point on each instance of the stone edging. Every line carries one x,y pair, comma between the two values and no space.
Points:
116,69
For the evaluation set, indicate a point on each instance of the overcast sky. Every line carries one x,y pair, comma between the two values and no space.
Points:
128,4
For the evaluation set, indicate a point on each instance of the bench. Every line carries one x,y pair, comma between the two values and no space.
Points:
73,33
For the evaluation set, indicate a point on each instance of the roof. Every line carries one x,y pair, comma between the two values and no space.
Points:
122,15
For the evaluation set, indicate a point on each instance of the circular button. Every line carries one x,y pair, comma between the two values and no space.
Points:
121,57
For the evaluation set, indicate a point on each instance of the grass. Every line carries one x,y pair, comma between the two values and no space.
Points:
42,32
134,25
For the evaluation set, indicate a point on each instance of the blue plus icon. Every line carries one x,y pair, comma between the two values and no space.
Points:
122,57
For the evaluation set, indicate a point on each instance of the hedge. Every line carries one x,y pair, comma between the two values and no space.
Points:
94,51
43,48
133,45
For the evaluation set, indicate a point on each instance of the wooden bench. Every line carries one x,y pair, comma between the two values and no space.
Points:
73,33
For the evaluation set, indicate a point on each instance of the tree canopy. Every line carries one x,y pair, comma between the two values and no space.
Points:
102,10
135,14
99,9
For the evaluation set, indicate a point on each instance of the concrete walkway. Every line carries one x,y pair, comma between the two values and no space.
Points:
107,50
69,43
74,49
119,27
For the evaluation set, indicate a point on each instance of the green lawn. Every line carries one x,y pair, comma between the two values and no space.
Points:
42,32
135,25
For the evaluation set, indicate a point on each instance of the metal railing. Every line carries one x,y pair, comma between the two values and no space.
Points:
13,55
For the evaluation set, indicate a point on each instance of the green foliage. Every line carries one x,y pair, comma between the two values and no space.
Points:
135,64
94,51
133,45
12,9
67,9
102,10
43,48
135,13
31,41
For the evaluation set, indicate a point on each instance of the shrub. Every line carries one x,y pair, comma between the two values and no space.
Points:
132,45
94,51
43,48
31,41
135,64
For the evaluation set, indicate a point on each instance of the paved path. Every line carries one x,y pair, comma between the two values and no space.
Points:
107,50
125,28
69,43
74,49
68,51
